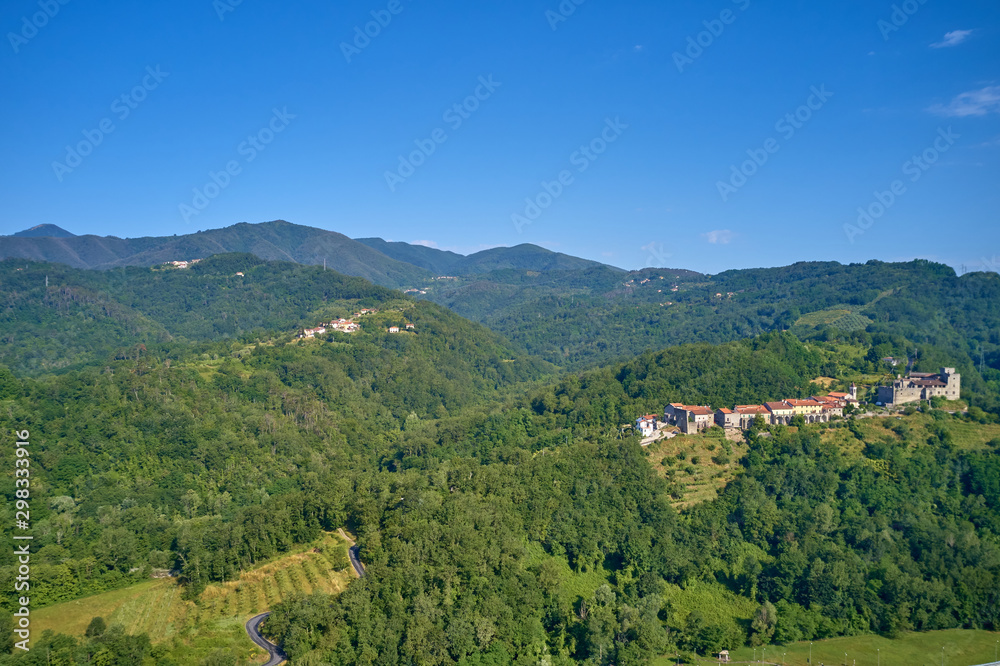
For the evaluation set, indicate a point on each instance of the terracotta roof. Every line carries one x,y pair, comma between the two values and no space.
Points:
700,411
776,406
751,409
931,381
725,411
839,395
802,403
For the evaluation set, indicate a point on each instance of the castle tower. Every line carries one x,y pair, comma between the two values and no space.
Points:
854,391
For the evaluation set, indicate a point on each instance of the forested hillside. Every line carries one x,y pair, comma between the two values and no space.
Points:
274,241
84,317
504,514
578,319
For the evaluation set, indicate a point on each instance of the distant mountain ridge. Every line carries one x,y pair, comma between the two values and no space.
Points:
44,231
389,264
524,257
274,241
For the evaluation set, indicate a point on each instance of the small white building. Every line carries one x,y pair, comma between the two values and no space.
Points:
646,425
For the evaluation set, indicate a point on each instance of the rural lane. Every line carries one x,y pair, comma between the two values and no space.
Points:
253,624
253,630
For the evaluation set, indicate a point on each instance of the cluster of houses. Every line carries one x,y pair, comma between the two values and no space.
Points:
342,325
181,264
696,418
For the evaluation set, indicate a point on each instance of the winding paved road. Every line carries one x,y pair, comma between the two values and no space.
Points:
253,630
253,624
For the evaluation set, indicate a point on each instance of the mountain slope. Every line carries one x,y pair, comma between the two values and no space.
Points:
439,262
279,241
44,230
53,317
524,257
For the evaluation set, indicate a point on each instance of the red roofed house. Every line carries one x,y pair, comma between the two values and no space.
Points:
748,413
646,425
781,412
694,419
725,418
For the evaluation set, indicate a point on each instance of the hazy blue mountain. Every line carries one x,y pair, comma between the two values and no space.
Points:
43,231
278,241
525,257
439,262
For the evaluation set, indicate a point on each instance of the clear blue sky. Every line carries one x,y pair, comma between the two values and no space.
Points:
652,197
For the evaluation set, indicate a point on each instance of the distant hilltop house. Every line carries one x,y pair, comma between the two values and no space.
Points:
415,291
182,264
313,332
919,386
394,329
646,425
817,409
344,325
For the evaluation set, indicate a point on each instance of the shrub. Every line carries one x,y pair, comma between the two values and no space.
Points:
97,627
721,459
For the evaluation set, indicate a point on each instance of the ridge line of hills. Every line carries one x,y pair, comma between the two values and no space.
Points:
384,263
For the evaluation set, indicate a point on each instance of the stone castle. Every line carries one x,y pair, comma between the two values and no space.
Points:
919,386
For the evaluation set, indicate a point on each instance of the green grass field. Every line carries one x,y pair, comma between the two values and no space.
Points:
191,631
961,648
699,475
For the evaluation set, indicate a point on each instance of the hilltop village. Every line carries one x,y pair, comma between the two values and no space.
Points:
348,326
689,419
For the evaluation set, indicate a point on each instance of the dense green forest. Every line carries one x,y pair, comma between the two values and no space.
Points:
578,319
464,560
502,513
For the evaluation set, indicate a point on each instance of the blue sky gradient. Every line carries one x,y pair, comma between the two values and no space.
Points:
208,85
